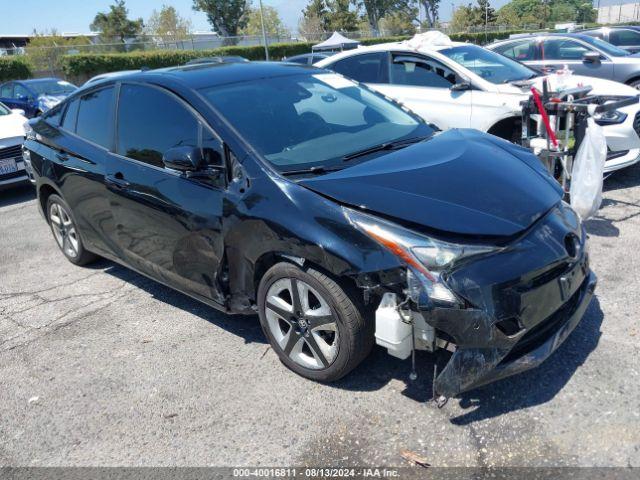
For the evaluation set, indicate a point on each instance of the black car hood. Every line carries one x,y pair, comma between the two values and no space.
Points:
460,181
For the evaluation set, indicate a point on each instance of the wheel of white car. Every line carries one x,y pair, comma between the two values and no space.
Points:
635,84
65,232
314,326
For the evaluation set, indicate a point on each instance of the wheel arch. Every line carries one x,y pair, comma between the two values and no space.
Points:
45,190
509,128
635,78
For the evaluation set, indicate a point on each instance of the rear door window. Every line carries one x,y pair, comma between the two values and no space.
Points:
95,117
562,49
520,51
6,91
624,37
150,122
421,71
366,68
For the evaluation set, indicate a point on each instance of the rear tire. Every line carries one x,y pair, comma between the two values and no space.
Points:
65,232
319,332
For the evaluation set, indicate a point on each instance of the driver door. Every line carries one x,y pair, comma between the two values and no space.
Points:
166,225
423,84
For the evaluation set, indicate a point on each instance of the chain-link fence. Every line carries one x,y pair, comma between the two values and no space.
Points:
45,58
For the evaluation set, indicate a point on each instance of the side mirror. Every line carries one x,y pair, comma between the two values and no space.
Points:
183,159
591,57
460,87
18,111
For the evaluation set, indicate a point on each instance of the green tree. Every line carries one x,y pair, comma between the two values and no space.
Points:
273,24
340,17
314,21
374,10
523,12
487,12
399,23
45,49
431,8
115,24
463,17
227,17
168,23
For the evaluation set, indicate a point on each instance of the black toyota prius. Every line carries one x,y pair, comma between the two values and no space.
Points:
338,216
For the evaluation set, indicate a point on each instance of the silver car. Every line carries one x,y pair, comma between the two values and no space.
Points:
583,54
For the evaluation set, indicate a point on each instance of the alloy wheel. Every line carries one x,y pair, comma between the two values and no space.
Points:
64,230
302,323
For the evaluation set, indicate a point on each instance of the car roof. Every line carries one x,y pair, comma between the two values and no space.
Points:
524,36
612,27
212,74
38,80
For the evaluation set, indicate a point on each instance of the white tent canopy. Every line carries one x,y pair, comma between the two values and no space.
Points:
336,42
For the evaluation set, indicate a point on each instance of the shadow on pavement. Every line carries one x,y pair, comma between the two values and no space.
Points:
539,385
244,326
530,388
14,195
527,389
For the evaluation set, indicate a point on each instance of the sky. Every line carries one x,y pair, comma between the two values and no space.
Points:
66,16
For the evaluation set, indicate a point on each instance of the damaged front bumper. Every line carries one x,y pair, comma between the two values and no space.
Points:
484,354
512,308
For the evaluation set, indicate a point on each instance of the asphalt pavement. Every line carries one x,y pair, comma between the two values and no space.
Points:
100,366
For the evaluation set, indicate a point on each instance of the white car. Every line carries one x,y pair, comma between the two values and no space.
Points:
12,131
460,85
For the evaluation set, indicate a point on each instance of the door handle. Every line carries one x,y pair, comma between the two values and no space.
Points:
549,69
63,157
117,181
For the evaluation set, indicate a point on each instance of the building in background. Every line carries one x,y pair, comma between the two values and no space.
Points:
619,13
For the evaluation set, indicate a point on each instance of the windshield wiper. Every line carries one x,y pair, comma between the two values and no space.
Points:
384,146
312,170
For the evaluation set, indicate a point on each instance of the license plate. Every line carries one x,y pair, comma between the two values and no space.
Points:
8,165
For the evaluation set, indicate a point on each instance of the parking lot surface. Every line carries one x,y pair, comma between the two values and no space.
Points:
101,366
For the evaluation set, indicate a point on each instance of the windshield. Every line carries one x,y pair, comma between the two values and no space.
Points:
606,47
304,121
4,110
489,65
52,87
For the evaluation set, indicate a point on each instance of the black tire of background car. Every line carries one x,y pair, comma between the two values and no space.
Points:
84,257
356,332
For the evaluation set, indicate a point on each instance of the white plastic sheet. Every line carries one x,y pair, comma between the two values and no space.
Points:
428,39
588,170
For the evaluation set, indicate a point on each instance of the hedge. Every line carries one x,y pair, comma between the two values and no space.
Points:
85,65
12,68
89,64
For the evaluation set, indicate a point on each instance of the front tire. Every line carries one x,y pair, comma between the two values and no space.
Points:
65,232
314,326
635,84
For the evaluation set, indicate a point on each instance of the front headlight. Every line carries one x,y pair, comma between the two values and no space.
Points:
426,257
610,118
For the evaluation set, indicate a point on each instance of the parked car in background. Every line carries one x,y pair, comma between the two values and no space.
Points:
219,59
315,202
583,54
459,85
35,96
12,133
624,36
307,58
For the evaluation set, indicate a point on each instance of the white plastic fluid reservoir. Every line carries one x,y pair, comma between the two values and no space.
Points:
391,332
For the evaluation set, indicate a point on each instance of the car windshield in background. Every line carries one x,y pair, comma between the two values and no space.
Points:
52,87
4,110
489,65
606,47
304,121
